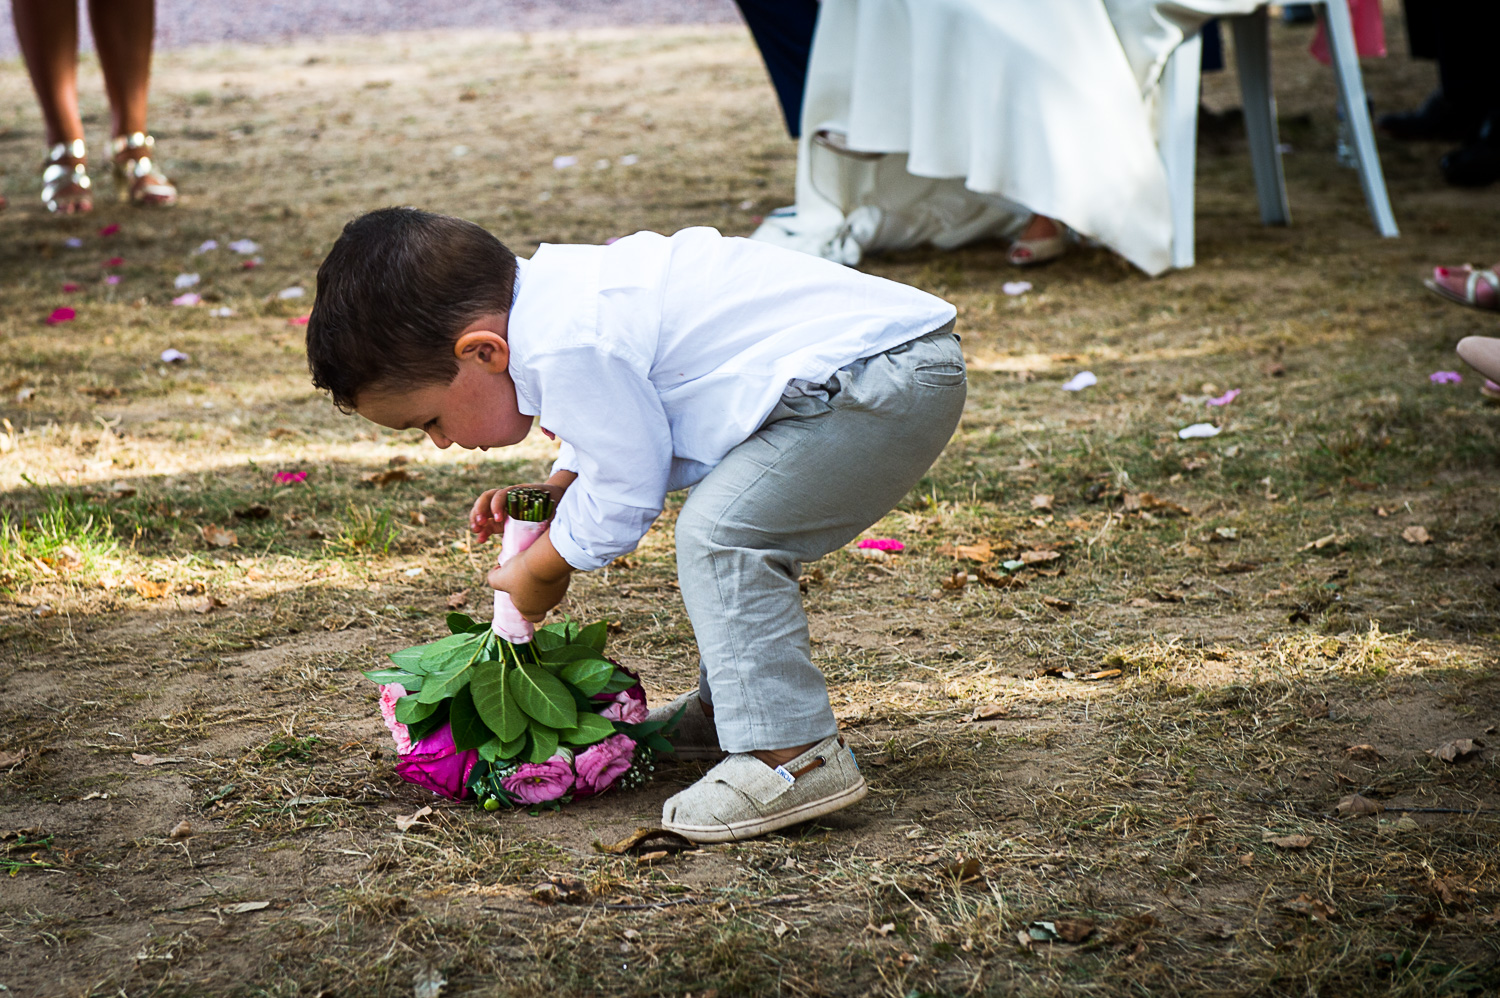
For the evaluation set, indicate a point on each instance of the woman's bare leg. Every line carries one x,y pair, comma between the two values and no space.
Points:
123,32
47,31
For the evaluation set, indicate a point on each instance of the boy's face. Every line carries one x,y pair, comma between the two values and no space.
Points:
477,409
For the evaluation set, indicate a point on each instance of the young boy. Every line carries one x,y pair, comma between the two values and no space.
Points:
800,400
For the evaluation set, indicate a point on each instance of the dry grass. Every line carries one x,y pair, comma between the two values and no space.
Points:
991,722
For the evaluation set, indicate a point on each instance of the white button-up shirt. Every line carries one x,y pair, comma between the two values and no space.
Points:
653,357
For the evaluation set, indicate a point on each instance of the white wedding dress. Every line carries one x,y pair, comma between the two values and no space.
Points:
944,121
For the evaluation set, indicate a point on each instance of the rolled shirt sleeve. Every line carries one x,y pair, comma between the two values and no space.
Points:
600,402
567,458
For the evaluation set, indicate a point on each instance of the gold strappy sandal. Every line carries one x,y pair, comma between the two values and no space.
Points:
66,185
137,179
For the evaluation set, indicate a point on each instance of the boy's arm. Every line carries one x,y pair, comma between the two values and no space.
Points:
536,579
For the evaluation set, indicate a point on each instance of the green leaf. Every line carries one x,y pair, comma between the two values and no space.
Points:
512,748
442,685
469,729
409,659
460,623
594,635
659,744
543,742
542,696
619,682
409,710
454,650
546,639
494,701
490,751
410,681
591,728
568,653
589,675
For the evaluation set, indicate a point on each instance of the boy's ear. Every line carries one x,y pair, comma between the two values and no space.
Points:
485,346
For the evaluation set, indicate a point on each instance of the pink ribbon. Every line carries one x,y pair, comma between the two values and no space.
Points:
508,623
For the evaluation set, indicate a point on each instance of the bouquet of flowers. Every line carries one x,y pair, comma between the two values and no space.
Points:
519,716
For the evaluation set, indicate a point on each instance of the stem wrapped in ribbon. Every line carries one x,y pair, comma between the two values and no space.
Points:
527,512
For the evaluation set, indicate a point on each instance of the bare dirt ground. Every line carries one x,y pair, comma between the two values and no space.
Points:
1141,741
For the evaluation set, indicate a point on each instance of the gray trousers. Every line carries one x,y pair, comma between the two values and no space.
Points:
806,483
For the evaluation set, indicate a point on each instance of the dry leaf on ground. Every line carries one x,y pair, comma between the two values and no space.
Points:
405,822
1060,930
980,551
9,760
1456,750
244,906
962,870
1416,535
142,759
219,537
1354,805
150,589
1247,860
181,830
645,840
1057,603
1318,911
881,930
208,604
1326,540
1041,501
1039,557
1364,753
389,477
458,599
989,712
957,580
1288,841
1001,581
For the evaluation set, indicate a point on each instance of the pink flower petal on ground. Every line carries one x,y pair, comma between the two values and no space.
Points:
252,264
881,544
63,314
114,261
110,229
300,320
1445,377
69,287
1226,398
290,477
187,299
112,279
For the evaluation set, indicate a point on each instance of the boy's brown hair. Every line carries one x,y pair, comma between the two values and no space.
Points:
393,295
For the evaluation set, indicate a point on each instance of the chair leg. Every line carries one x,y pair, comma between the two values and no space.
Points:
1179,142
1357,113
1252,50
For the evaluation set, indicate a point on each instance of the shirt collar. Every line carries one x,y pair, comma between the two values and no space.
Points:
518,374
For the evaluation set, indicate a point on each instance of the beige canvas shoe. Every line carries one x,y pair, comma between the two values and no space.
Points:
742,797
695,737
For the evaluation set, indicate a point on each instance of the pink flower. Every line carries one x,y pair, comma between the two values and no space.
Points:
188,299
290,477
63,314
435,764
300,320
389,694
1445,377
602,763
881,544
537,783
626,709
69,287
112,279
110,229
114,261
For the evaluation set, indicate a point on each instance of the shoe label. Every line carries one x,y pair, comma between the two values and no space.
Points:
781,772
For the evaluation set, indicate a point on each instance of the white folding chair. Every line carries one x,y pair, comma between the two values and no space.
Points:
1252,49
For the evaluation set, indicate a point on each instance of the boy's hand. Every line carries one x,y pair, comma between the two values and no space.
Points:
536,579
487,518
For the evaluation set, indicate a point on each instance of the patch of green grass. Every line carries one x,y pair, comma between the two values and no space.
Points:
67,536
365,531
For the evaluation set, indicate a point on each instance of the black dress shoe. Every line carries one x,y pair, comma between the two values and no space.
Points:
1436,120
1478,163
